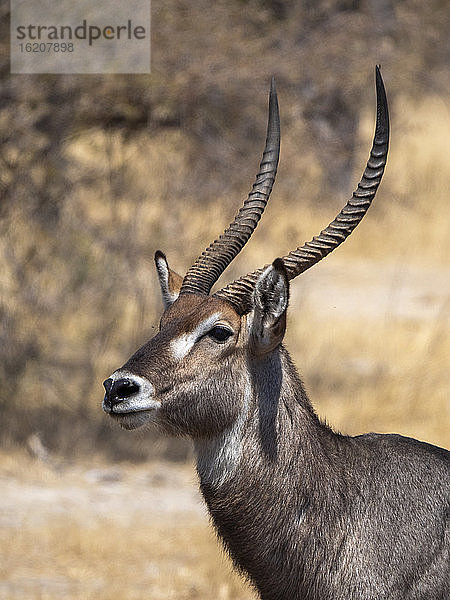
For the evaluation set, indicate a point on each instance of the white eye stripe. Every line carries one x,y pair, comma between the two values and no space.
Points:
182,345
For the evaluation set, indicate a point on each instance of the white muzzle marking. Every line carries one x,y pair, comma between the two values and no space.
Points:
141,400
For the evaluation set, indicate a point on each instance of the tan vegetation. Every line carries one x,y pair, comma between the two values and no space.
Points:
103,562
96,543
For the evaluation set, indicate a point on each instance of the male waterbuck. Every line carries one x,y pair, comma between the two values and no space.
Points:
305,513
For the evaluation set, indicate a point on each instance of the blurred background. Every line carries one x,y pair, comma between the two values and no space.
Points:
97,172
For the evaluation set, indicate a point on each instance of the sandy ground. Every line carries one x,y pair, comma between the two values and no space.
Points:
87,495
66,530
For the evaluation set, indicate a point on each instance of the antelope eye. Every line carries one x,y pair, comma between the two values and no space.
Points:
220,333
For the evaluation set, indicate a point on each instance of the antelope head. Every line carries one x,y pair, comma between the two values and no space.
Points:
191,377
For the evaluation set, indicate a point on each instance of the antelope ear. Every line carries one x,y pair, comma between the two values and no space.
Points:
270,300
169,281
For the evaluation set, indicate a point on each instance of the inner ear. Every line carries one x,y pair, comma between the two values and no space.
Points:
169,280
270,300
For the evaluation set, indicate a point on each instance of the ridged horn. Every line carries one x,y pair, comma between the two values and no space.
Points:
214,260
239,293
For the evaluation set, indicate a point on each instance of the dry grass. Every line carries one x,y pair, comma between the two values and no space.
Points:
77,550
386,376
109,561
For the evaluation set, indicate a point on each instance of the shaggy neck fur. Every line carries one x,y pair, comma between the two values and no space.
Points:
250,470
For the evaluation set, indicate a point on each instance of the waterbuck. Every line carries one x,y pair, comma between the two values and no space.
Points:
304,512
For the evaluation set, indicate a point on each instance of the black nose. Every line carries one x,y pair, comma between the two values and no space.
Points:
119,389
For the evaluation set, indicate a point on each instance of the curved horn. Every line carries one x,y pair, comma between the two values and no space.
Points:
213,261
239,293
